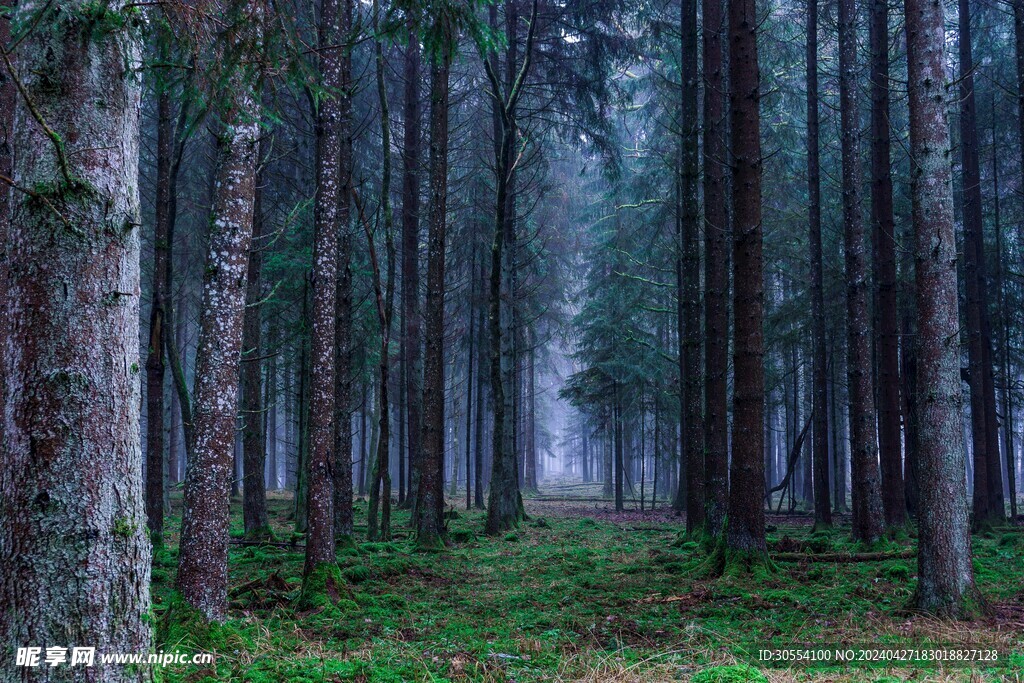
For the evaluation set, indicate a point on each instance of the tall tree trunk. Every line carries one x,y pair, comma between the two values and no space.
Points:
470,352
155,354
270,398
504,509
819,360
384,296
254,435
478,446
203,556
988,481
343,520
530,435
1004,336
746,528
320,563
430,495
867,494
411,261
688,264
945,576
74,558
716,270
884,237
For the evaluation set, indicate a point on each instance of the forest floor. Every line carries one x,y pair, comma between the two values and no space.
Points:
581,593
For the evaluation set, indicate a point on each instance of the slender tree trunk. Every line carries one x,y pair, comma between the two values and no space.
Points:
430,528
254,436
746,527
1004,337
883,227
74,558
381,477
688,264
270,398
410,259
617,437
819,359
504,509
343,521
155,354
478,446
203,556
988,481
716,269
867,495
320,539
945,576
471,339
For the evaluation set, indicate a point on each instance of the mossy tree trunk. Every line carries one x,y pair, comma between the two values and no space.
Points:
74,557
202,562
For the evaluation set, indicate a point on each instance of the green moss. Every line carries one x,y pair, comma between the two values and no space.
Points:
124,527
461,536
356,574
740,673
323,586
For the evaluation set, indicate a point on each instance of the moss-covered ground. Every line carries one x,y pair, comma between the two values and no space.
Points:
576,594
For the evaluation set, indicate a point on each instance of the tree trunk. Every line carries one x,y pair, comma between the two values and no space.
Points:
203,556
688,264
478,446
819,359
74,558
430,496
945,576
988,482
411,261
884,237
323,324
867,495
155,355
746,528
343,297
1004,337
504,509
254,436
716,270
617,438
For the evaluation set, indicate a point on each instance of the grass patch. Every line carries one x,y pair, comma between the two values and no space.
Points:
574,599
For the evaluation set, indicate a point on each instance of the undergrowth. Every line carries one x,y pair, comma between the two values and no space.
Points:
567,599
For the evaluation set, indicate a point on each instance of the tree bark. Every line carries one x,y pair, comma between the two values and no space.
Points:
867,495
504,509
690,367
819,359
411,262
155,352
74,557
988,481
343,518
945,576
430,528
716,270
320,507
202,561
254,435
746,528
884,237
